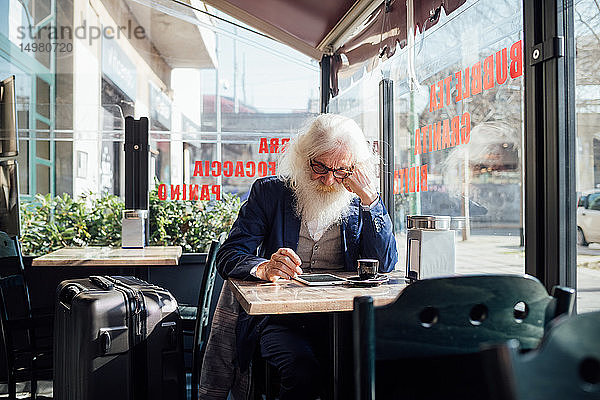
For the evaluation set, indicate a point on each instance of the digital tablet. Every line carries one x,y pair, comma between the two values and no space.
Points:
320,279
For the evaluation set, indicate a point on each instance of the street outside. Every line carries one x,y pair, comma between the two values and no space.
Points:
502,254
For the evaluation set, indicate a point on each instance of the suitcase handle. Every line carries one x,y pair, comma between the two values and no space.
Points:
68,293
101,282
105,342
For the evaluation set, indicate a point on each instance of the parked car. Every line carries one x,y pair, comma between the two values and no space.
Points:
588,218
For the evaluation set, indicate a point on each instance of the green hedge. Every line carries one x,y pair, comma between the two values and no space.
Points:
48,224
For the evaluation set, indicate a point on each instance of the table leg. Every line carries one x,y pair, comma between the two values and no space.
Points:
336,329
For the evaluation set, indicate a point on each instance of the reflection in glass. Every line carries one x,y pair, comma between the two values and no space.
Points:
587,105
458,129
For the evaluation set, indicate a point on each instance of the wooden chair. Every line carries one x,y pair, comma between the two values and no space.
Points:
426,342
565,366
28,353
195,318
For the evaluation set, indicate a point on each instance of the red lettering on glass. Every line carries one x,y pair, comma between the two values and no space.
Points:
501,73
446,134
216,168
516,60
454,127
162,191
488,73
228,169
198,168
216,190
263,146
204,194
458,76
465,131
274,148
437,136
193,192
239,169
174,191
250,168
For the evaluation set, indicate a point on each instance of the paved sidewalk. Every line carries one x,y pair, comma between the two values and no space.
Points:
502,254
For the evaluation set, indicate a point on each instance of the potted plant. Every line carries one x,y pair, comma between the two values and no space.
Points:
50,223
191,225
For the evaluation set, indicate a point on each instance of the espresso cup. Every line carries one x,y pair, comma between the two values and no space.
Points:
367,268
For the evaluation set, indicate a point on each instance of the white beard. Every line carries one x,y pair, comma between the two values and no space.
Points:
318,203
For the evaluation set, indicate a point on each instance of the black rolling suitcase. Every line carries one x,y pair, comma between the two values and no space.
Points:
116,338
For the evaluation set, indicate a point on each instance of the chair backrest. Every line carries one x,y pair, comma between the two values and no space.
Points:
8,246
455,315
13,287
206,291
565,366
452,316
14,306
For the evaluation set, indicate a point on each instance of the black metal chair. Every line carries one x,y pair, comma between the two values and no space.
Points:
426,344
26,338
195,318
565,366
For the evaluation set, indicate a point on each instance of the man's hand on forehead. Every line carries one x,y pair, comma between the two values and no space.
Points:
360,183
284,263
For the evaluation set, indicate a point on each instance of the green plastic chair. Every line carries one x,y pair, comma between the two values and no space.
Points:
436,327
26,337
195,318
565,366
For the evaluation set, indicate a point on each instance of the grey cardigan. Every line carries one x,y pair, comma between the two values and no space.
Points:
220,372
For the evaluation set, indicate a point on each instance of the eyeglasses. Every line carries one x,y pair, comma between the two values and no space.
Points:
322,169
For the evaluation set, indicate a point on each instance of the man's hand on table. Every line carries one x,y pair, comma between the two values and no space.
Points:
284,263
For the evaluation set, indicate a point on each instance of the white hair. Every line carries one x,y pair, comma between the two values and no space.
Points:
333,135
328,133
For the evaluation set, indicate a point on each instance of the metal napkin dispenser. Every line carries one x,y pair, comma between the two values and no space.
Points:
134,228
430,248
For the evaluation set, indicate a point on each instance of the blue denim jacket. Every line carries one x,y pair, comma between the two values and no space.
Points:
268,221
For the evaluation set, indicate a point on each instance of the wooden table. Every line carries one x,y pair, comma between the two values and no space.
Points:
288,296
110,256
75,262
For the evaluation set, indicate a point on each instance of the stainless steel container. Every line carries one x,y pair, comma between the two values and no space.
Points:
430,249
430,222
133,232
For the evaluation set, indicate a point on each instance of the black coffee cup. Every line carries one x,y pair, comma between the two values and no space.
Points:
367,268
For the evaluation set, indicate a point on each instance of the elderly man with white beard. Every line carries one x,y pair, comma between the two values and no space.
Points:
322,212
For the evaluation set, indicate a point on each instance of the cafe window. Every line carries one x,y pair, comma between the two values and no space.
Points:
262,94
218,98
587,103
458,129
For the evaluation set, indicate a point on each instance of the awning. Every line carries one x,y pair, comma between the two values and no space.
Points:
177,32
318,27
385,29
309,26
350,30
